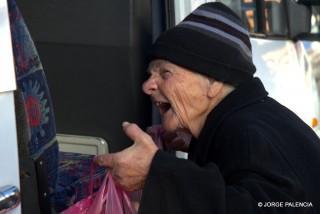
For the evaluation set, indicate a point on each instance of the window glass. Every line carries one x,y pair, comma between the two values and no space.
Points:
249,14
274,16
315,20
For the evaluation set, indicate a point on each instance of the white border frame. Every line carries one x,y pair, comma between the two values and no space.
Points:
9,160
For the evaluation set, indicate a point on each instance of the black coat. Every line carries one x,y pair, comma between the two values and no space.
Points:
250,150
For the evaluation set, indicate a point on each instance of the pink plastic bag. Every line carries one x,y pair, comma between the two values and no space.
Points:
110,199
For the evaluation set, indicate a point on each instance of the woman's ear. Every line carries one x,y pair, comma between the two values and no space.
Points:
215,88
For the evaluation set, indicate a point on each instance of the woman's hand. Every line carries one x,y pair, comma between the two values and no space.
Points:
130,166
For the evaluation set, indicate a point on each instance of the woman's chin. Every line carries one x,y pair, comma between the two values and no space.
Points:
170,121
169,127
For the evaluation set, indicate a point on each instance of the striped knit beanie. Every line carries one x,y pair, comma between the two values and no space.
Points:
212,41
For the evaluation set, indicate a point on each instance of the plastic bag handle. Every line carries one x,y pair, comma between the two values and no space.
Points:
128,202
122,193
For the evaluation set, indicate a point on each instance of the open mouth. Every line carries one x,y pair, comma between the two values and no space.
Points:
163,106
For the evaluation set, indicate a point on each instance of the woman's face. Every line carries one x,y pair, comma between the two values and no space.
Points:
180,94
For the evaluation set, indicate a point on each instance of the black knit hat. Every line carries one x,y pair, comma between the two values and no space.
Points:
212,41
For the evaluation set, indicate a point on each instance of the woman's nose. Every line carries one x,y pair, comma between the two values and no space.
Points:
149,86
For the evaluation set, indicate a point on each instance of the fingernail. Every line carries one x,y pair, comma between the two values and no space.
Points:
125,124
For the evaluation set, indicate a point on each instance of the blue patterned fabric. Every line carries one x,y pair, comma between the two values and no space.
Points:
70,189
73,174
32,82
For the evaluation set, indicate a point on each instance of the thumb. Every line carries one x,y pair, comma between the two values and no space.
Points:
106,160
135,133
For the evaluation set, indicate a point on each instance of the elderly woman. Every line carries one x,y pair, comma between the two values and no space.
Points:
248,153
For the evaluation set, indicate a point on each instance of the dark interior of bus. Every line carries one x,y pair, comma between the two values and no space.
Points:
93,55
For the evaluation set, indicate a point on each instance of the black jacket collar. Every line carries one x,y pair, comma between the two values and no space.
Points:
244,95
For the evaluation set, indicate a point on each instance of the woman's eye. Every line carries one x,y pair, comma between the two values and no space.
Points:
165,74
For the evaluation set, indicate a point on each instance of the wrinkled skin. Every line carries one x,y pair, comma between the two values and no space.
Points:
130,167
184,92
184,99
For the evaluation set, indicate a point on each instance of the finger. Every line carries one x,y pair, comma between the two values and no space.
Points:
134,132
106,160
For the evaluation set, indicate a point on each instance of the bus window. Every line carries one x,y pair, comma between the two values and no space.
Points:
268,17
274,16
250,13
261,17
315,20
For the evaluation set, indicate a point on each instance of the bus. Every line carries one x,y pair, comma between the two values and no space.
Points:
71,72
